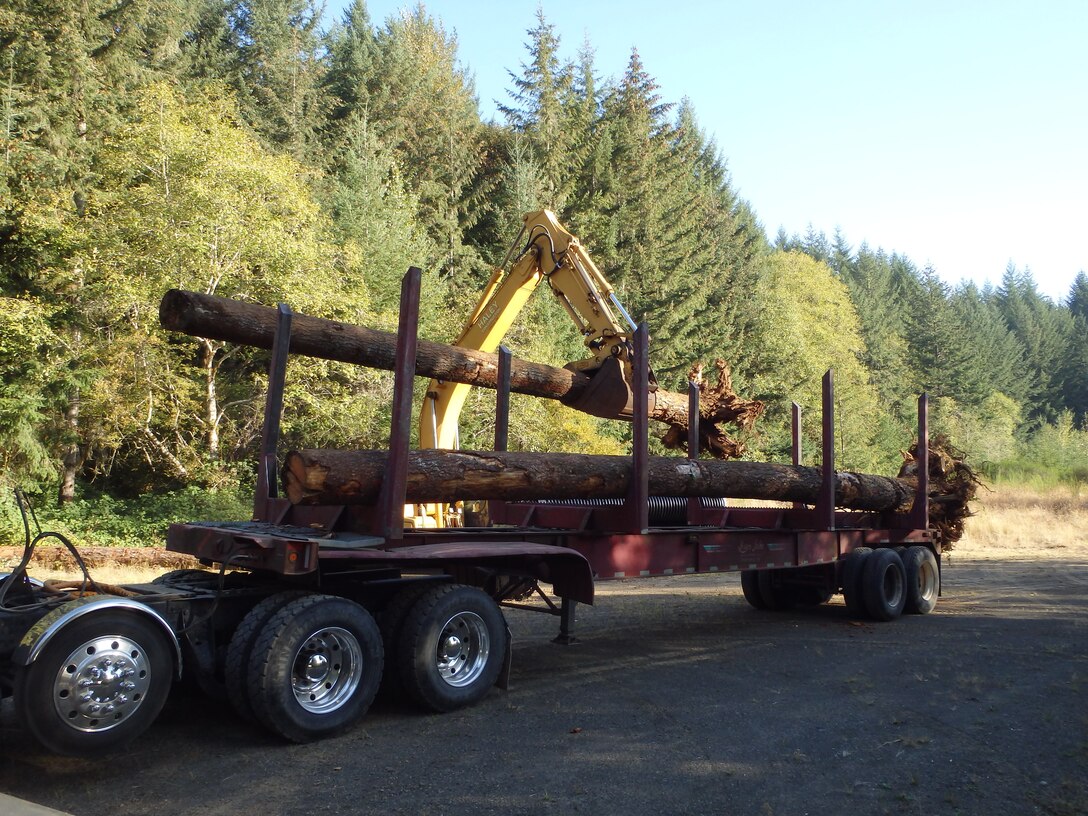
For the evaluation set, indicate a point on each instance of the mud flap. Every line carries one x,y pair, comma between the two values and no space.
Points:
503,680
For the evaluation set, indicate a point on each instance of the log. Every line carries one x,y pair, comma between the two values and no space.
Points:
251,324
355,477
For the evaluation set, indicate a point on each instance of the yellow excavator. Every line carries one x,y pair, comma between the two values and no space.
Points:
543,250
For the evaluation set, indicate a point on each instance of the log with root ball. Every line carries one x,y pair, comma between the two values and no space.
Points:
251,324
355,477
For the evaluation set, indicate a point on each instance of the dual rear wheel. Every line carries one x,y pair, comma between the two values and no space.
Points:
886,583
879,584
308,666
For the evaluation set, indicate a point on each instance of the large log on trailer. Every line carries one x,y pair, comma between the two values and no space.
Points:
355,477
251,324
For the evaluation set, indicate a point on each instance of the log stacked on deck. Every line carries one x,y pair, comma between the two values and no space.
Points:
355,477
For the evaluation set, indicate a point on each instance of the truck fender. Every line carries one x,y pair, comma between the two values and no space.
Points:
41,633
33,581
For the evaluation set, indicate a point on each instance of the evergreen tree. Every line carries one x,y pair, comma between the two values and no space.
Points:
422,106
1077,300
841,254
280,72
871,281
548,112
1044,331
352,53
375,216
642,242
940,345
211,51
816,245
999,354
1074,371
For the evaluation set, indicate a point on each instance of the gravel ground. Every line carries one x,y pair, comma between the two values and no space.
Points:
677,699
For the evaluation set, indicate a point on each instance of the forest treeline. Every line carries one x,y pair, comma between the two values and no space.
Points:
242,148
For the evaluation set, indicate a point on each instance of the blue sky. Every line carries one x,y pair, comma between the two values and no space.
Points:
953,132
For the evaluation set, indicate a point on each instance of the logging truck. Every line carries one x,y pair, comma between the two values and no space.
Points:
299,615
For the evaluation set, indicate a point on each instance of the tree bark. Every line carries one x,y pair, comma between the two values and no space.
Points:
355,477
218,318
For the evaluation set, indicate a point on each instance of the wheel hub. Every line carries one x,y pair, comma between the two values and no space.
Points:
317,668
327,670
101,683
452,650
463,649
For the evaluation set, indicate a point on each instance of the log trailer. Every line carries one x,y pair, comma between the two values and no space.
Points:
303,612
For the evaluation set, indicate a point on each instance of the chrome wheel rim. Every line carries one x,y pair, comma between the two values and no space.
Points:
102,683
893,586
326,670
927,581
463,649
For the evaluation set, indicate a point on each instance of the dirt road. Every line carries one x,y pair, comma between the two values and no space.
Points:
678,699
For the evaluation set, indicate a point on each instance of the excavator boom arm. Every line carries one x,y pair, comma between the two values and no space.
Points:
549,253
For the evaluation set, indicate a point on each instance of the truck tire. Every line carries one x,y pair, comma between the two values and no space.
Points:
452,647
852,568
884,585
749,585
923,577
99,683
240,650
315,667
187,578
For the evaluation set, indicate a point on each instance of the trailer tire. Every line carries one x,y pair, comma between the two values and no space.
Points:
452,647
240,650
811,595
99,683
315,667
391,624
852,568
776,596
884,585
749,585
923,576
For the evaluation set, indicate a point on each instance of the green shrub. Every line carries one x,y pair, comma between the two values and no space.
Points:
102,520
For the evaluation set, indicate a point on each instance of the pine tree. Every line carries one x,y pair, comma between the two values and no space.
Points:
210,51
999,354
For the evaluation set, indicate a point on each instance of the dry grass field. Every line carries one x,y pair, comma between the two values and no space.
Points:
1015,523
